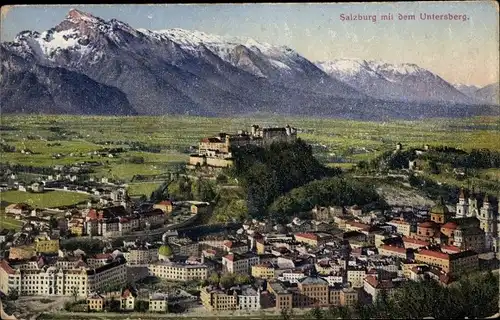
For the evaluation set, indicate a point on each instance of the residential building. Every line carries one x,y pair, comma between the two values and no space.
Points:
46,245
127,300
312,291
402,226
373,286
177,271
214,299
355,276
166,206
236,263
158,303
95,302
263,271
392,251
313,239
464,261
49,277
249,299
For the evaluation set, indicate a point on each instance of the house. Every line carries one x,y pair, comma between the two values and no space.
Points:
158,303
373,286
127,300
313,239
18,209
202,207
37,187
236,263
165,206
95,302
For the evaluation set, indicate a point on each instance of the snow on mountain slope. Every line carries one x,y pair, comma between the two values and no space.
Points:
176,71
466,89
403,82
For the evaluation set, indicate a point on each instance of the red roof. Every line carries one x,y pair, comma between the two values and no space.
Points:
102,256
92,215
357,224
228,243
393,248
450,225
416,241
126,293
311,236
399,221
230,257
427,224
165,203
453,249
5,266
435,254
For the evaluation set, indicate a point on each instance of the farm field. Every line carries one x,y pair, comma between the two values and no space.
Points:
337,143
46,199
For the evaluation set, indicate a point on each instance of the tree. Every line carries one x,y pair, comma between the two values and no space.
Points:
242,279
214,279
316,313
113,305
74,293
227,280
13,294
286,314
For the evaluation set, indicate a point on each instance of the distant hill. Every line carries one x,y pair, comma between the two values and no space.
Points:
489,94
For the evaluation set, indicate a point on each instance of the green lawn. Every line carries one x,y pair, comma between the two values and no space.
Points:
8,222
144,188
48,199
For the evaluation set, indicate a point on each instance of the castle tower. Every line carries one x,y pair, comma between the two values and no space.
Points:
462,206
254,130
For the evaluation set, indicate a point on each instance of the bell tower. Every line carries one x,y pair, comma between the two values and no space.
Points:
462,206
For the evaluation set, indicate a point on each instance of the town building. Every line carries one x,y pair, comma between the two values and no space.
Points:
49,277
158,302
177,271
464,261
239,263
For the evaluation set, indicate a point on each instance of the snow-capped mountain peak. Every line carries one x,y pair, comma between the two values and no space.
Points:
404,81
77,16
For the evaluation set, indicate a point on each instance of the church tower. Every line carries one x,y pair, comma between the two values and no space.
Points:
473,208
462,205
487,222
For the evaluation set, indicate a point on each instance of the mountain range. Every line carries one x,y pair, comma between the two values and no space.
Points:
86,65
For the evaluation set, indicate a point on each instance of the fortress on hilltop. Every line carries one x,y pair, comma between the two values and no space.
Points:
216,151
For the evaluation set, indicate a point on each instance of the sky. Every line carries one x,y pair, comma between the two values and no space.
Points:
458,51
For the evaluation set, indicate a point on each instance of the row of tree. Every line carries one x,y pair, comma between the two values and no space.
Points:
336,191
226,280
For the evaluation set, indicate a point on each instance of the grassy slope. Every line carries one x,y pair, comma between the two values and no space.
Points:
44,200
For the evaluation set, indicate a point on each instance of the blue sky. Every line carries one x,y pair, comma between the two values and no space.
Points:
458,51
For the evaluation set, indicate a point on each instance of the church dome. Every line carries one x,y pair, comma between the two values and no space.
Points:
440,208
165,250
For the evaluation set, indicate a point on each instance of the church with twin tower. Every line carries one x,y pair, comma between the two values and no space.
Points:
469,205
